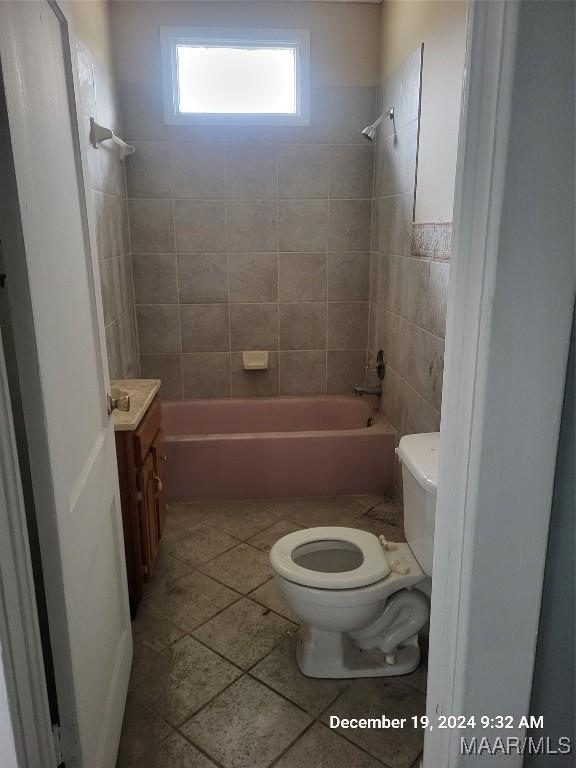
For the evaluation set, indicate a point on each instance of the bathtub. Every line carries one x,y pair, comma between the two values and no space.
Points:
275,448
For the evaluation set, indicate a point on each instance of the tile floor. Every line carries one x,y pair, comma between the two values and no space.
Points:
215,682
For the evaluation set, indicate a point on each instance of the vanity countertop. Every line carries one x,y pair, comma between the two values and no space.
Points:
142,392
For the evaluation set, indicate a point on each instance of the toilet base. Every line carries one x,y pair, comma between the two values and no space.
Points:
335,655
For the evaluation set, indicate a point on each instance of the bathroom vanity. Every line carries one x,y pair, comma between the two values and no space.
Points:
141,473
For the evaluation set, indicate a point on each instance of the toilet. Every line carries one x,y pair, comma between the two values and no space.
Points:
362,599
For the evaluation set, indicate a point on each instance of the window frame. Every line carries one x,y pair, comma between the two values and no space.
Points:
171,37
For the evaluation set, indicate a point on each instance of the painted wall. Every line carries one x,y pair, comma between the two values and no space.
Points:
441,26
252,238
91,25
345,47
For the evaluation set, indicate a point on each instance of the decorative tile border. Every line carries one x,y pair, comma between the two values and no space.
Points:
432,241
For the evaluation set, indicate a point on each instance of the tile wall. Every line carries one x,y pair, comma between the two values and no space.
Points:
409,268
255,238
98,100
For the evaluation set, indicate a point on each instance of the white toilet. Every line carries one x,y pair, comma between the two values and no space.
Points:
354,591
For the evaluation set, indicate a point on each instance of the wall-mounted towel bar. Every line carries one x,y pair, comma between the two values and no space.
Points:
98,134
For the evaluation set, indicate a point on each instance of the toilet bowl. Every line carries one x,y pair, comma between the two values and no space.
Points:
361,599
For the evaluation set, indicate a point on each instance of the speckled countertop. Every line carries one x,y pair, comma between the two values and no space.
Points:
142,392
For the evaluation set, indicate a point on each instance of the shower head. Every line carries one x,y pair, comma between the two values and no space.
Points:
370,131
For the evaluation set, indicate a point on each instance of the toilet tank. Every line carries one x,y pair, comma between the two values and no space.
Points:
419,457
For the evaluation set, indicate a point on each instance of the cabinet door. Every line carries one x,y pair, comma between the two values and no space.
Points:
148,514
159,453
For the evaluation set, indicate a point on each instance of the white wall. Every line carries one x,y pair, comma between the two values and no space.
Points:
441,26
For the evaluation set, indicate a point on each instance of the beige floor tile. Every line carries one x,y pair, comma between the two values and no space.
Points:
173,752
269,595
418,678
141,658
167,571
247,726
320,747
196,546
244,519
379,528
342,510
186,516
192,600
266,538
142,731
397,748
245,632
243,568
280,671
388,511
151,632
183,678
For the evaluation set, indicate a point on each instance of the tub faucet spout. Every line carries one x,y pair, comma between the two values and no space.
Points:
376,391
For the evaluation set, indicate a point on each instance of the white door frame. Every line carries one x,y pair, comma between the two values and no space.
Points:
510,302
28,725
21,648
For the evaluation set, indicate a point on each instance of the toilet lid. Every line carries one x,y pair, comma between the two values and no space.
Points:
373,567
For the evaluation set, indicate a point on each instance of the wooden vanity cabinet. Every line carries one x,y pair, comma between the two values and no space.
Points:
141,471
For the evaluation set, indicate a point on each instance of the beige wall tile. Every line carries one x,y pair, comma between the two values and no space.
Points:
158,328
111,225
303,373
392,225
200,226
253,277
348,276
345,370
151,226
351,110
202,278
396,162
252,226
167,368
317,132
112,333
350,225
351,171
254,383
411,289
303,325
205,327
147,170
254,326
206,375
302,277
155,278
303,172
111,290
347,325
303,225
197,171
435,320
251,173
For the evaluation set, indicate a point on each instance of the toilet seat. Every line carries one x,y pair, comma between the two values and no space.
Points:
374,566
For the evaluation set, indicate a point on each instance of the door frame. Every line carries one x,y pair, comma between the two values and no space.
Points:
20,640
37,742
496,463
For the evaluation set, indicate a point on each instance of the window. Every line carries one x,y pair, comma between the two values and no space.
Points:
244,76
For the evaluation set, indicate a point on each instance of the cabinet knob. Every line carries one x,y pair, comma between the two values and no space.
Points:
118,402
158,482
